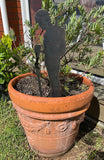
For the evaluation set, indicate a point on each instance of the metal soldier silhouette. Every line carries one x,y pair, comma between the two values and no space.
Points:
54,47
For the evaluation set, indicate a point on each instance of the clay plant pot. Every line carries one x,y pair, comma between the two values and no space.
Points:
51,124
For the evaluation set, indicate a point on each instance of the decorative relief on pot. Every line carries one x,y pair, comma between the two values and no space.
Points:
62,127
55,128
70,125
42,126
48,129
33,125
74,125
81,118
77,121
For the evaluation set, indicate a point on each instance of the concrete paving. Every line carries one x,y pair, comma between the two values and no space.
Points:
96,109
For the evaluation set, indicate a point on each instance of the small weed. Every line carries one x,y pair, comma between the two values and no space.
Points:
84,87
92,155
65,70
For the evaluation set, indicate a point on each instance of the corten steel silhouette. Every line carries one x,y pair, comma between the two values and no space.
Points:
54,47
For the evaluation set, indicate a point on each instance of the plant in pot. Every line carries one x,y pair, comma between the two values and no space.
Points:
51,113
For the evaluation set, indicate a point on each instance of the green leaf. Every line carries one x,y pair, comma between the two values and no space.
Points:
12,34
2,81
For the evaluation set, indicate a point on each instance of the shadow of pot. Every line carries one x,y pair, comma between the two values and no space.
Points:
51,124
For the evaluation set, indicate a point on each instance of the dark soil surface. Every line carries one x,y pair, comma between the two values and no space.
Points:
29,85
69,86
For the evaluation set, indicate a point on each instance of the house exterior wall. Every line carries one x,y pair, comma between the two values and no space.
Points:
1,25
15,18
34,6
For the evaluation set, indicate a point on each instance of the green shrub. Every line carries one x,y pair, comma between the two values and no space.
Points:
11,60
82,32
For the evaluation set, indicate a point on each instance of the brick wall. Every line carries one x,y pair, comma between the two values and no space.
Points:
15,18
1,25
34,6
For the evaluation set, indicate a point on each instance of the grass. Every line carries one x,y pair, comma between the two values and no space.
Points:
14,145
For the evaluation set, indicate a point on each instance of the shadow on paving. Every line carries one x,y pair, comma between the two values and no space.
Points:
87,126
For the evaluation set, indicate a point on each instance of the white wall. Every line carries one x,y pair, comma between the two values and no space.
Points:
4,16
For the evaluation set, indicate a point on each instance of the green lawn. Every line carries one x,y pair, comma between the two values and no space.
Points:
13,143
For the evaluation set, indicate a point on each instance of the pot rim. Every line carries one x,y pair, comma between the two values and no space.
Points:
88,94
44,98
51,116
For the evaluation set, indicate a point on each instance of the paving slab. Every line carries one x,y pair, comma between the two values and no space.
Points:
96,109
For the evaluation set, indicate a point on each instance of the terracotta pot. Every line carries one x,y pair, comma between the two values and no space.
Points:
51,124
